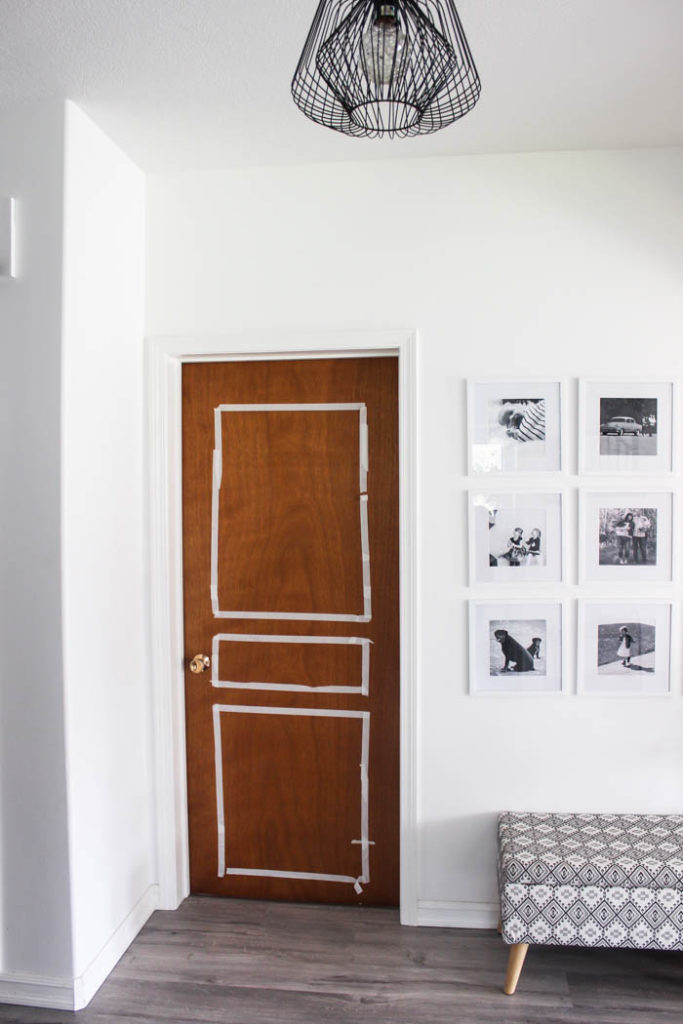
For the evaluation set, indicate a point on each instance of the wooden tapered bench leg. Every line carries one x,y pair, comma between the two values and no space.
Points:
515,964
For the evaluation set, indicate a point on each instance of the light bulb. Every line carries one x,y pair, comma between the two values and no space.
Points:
383,43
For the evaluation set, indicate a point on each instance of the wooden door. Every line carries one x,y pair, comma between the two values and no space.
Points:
290,531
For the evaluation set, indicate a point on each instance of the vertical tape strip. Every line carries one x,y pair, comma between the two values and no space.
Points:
365,552
215,649
365,668
220,813
215,495
363,441
365,799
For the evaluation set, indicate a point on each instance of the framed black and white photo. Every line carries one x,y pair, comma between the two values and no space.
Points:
626,426
626,537
514,427
515,537
516,647
624,649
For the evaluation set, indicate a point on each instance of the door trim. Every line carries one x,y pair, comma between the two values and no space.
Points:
164,358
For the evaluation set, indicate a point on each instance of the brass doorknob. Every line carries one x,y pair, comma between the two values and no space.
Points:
200,663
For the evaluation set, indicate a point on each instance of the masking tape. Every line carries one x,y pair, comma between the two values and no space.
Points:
217,468
364,806
264,709
292,616
217,478
364,800
295,407
311,876
365,669
363,441
359,407
289,638
229,684
365,554
364,841
215,497
220,814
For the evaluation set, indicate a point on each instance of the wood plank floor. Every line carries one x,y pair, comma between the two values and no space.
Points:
243,962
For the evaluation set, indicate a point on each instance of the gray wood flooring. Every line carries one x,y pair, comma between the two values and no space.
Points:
242,962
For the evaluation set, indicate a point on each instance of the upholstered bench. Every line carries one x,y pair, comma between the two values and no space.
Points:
589,880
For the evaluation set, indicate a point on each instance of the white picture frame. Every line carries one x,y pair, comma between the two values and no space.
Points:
626,537
639,668
626,426
493,668
516,537
514,426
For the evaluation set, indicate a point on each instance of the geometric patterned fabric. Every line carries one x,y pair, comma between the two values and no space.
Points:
592,879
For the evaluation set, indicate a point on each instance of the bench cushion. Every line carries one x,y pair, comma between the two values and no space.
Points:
592,879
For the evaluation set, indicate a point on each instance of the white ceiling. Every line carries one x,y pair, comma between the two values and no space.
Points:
205,83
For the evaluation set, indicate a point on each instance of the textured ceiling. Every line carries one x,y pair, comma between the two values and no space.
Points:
205,83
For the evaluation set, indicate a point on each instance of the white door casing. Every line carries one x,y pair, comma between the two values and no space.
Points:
164,359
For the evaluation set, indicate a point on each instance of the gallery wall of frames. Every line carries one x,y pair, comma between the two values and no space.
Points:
519,489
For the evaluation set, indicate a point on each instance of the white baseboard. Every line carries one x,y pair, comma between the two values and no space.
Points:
68,994
457,914
75,993
85,987
33,990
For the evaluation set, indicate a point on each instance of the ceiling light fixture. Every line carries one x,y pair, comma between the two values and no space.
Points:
397,69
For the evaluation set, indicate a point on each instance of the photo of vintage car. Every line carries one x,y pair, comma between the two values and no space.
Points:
621,425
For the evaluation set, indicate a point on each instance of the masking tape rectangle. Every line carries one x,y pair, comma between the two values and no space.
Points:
359,407
228,684
364,716
248,709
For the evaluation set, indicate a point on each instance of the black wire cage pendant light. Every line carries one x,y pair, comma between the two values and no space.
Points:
396,69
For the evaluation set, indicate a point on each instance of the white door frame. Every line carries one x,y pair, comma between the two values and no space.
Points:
164,357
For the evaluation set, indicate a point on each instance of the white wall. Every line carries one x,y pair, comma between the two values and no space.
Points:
105,627
76,848
559,265
34,891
